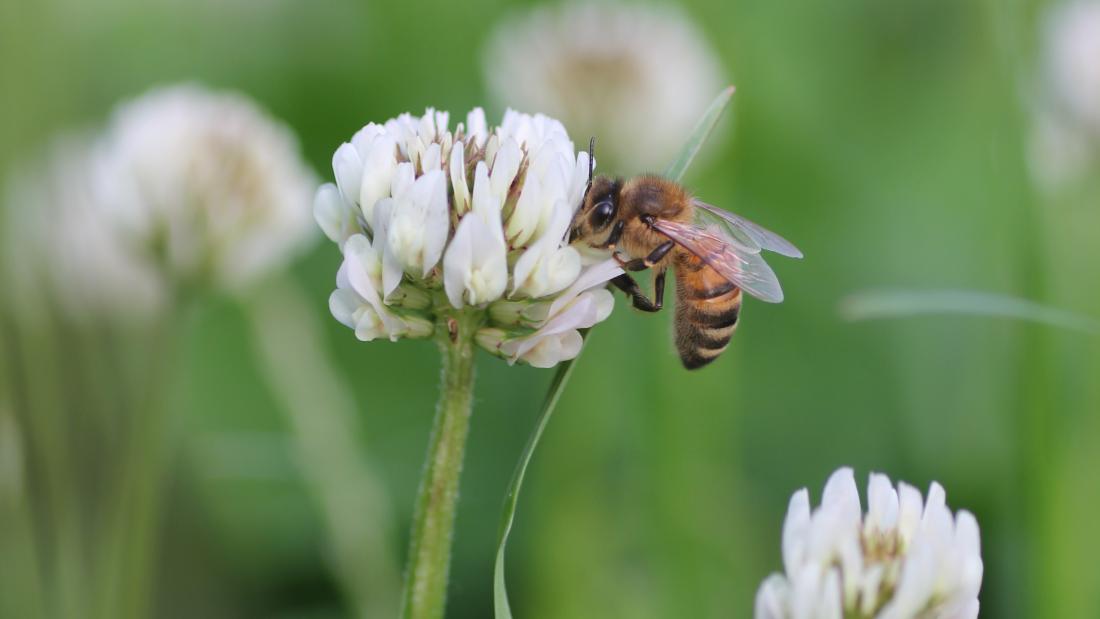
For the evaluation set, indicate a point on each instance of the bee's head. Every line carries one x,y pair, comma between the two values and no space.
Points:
598,209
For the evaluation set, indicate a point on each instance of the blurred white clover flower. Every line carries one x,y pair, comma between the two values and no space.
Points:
434,222
637,76
901,560
1066,135
184,187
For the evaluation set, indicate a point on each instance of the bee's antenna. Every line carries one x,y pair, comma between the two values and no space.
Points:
591,167
591,158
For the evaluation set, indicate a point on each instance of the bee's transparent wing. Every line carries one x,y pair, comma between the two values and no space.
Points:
742,267
745,233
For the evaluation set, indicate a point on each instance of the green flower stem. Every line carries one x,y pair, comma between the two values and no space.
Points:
433,523
321,413
133,517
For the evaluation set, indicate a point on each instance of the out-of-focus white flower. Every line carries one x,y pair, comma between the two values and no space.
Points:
211,178
56,234
637,76
900,560
1066,134
185,186
433,222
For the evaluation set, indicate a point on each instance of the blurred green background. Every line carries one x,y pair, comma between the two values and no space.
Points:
887,139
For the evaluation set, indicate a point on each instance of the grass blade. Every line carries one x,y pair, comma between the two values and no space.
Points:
699,135
500,592
879,304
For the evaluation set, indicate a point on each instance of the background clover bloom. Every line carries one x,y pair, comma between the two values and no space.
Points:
900,560
1066,136
635,75
184,187
433,221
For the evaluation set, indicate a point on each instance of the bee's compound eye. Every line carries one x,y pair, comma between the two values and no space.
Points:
601,215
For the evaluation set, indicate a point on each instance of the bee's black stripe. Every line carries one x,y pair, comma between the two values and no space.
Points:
705,294
727,317
693,360
703,340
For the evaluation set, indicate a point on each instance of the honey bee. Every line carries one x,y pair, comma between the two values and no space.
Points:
715,254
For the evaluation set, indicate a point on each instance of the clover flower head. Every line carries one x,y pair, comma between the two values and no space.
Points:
434,221
636,75
902,559
184,187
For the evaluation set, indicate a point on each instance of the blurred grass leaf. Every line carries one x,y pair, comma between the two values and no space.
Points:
500,592
675,172
879,304
699,135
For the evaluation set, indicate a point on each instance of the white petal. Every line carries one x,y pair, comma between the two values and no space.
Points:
772,599
348,169
552,350
485,204
967,536
527,214
433,158
426,130
438,221
476,127
392,270
365,137
343,303
335,217
832,605
937,499
869,586
596,275
547,267
841,494
807,592
909,512
370,326
580,314
915,585
458,261
505,167
882,504
967,610
796,527
402,182
605,303
458,179
360,260
442,122
476,265
378,174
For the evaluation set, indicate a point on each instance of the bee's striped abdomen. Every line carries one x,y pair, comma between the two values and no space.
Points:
707,308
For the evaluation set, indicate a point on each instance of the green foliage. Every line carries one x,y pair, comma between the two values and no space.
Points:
887,140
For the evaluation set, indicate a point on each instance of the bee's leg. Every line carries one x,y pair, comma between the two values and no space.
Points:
659,289
627,284
613,238
641,264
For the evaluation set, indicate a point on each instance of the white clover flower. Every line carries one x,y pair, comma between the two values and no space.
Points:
56,234
434,222
1066,136
900,560
637,76
184,187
